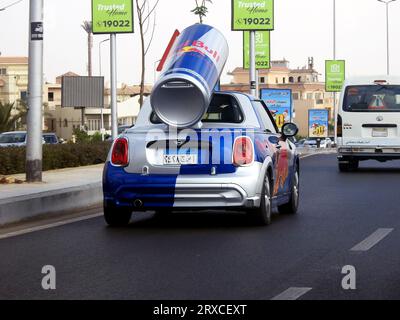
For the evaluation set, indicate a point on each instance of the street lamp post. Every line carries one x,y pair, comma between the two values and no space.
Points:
101,42
387,2
102,113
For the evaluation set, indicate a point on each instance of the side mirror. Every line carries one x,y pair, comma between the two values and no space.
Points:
289,130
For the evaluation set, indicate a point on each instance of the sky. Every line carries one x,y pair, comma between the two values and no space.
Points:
303,28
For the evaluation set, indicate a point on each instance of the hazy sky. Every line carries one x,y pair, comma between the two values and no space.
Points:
303,28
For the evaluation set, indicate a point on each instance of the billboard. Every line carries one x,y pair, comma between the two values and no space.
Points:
252,15
112,16
82,92
263,50
335,74
318,123
279,103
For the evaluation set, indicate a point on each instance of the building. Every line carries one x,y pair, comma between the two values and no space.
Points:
308,92
13,79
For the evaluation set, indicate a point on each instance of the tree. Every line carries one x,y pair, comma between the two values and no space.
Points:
87,26
201,9
10,114
146,12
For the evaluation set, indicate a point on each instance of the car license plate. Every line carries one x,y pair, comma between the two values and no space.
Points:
179,159
380,132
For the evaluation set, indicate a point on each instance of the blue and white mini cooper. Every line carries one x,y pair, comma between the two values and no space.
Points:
235,159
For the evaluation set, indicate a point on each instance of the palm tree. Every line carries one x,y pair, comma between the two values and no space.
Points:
201,9
87,26
10,115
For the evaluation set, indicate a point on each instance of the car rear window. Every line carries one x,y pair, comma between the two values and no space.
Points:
12,138
222,109
372,98
50,139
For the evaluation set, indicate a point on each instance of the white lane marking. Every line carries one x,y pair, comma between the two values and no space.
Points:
292,294
372,240
48,226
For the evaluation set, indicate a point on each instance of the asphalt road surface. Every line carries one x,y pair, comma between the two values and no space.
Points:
348,219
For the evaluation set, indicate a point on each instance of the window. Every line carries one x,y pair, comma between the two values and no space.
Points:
310,96
223,109
284,80
23,96
267,120
50,96
299,79
65,123
262,80
368,98
291,80
3,71
276,80
296,96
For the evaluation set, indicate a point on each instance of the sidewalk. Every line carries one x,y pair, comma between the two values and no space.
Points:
61,191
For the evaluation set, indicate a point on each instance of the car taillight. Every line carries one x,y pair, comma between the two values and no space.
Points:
339,127
120,152
243,151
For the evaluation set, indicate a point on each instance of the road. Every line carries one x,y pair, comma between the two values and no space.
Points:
222,256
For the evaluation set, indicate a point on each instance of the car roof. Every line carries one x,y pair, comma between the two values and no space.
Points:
370,80
14,132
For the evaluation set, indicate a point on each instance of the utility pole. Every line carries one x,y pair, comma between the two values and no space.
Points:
34,152
253,80
114,110
335,111
387,2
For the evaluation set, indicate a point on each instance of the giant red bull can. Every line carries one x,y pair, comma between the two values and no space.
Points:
181,96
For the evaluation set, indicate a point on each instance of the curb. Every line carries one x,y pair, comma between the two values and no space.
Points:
57,202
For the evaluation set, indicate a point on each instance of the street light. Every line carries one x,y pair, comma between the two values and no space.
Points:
102,113
101,42
386,2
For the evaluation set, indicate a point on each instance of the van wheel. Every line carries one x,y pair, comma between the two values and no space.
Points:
292,206
117,217
352,165
263,215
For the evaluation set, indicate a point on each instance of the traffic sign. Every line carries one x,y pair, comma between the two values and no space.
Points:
252,15
263,50
112,16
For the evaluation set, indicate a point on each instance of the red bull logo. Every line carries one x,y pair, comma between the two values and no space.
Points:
199,47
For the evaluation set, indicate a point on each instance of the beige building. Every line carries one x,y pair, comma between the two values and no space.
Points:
13,79
307,90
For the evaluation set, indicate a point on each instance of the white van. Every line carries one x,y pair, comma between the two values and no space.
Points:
368,121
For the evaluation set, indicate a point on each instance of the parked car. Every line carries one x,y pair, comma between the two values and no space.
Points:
235,160
310,143
14,139
51,138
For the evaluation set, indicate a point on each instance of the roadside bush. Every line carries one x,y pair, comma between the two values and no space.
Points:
12,159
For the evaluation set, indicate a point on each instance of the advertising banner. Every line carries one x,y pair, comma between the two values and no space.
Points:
112,16
335,74
279,103
252,15
318,123
263,51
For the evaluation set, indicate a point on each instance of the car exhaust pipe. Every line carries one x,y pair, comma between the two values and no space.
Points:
138,203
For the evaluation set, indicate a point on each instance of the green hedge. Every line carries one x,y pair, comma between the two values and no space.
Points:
12,159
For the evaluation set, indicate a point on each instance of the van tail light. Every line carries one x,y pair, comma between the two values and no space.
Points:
339,127
120,153
243,152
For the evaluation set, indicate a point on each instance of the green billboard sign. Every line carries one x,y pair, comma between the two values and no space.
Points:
263,51
252,15
335,74
112,16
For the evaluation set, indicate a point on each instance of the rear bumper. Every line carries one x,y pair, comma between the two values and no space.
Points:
141,193
361,153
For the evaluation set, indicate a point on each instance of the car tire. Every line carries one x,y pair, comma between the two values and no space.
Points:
117,217
263,215
292,206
